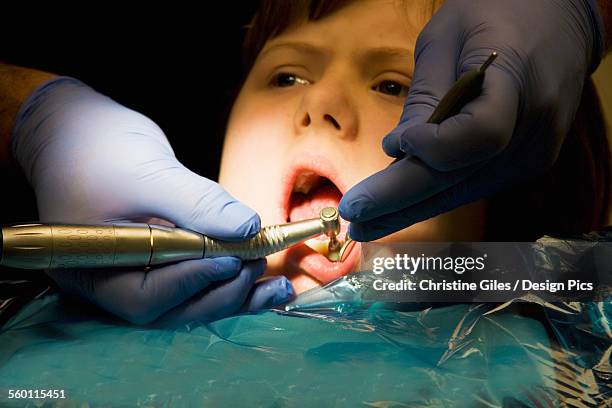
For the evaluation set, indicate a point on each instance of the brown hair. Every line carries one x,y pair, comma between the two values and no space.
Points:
275,16
571,197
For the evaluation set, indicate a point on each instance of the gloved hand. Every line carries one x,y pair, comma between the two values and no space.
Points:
513,130
91,160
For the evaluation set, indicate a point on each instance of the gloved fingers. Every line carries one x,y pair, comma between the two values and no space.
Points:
474,187
480,131
220,300
401,185
268,294
141,297
389,223
435,71
194,202
171,285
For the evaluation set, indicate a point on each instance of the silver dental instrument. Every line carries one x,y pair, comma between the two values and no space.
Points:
335,250
56,246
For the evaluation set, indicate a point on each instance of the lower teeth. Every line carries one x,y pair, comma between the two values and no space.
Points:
322,247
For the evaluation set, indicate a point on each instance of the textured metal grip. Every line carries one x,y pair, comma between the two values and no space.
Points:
100,246
83,246
269,240
42,246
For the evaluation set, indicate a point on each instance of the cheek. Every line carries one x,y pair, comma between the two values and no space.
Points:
254,128
377,121
466,223
424,231
255,141
383,118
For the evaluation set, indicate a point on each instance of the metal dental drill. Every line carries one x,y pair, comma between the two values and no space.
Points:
54,246
336,250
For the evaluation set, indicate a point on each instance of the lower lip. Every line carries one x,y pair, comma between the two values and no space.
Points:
318,266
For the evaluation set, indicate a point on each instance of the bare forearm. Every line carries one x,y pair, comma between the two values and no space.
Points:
606,11
16,84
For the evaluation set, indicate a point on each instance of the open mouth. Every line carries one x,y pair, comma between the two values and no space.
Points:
311,193
309,190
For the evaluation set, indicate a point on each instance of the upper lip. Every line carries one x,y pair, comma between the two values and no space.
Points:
306,162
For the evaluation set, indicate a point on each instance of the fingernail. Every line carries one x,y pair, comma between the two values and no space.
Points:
251,226
351,207
289,288
238,218
286,292
343,208
389,144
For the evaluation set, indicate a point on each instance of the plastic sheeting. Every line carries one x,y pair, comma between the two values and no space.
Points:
328,349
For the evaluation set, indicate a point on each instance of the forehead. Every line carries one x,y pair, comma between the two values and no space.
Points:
362,24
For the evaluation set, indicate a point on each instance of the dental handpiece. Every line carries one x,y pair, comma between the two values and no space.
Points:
57,246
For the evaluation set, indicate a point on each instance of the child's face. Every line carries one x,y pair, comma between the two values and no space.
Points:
309,121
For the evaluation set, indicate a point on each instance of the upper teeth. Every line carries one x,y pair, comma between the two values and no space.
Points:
305,182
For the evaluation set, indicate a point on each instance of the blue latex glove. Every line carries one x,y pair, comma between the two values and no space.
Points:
513,130
91,160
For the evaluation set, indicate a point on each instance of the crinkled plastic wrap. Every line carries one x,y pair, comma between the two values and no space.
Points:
329,348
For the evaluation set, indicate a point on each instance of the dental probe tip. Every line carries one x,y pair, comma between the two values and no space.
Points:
346,248
489,61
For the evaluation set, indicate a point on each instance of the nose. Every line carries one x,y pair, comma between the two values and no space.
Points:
327,108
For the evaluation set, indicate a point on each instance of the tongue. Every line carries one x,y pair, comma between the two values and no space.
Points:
305,206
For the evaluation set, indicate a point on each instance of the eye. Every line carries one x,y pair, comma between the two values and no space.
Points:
284,79
392,88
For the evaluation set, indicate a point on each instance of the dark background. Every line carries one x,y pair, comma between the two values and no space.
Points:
179,66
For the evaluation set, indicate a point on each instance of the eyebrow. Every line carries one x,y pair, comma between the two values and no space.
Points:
374,54
301,47
386,53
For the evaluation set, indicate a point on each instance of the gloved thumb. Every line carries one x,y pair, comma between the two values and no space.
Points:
191,201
